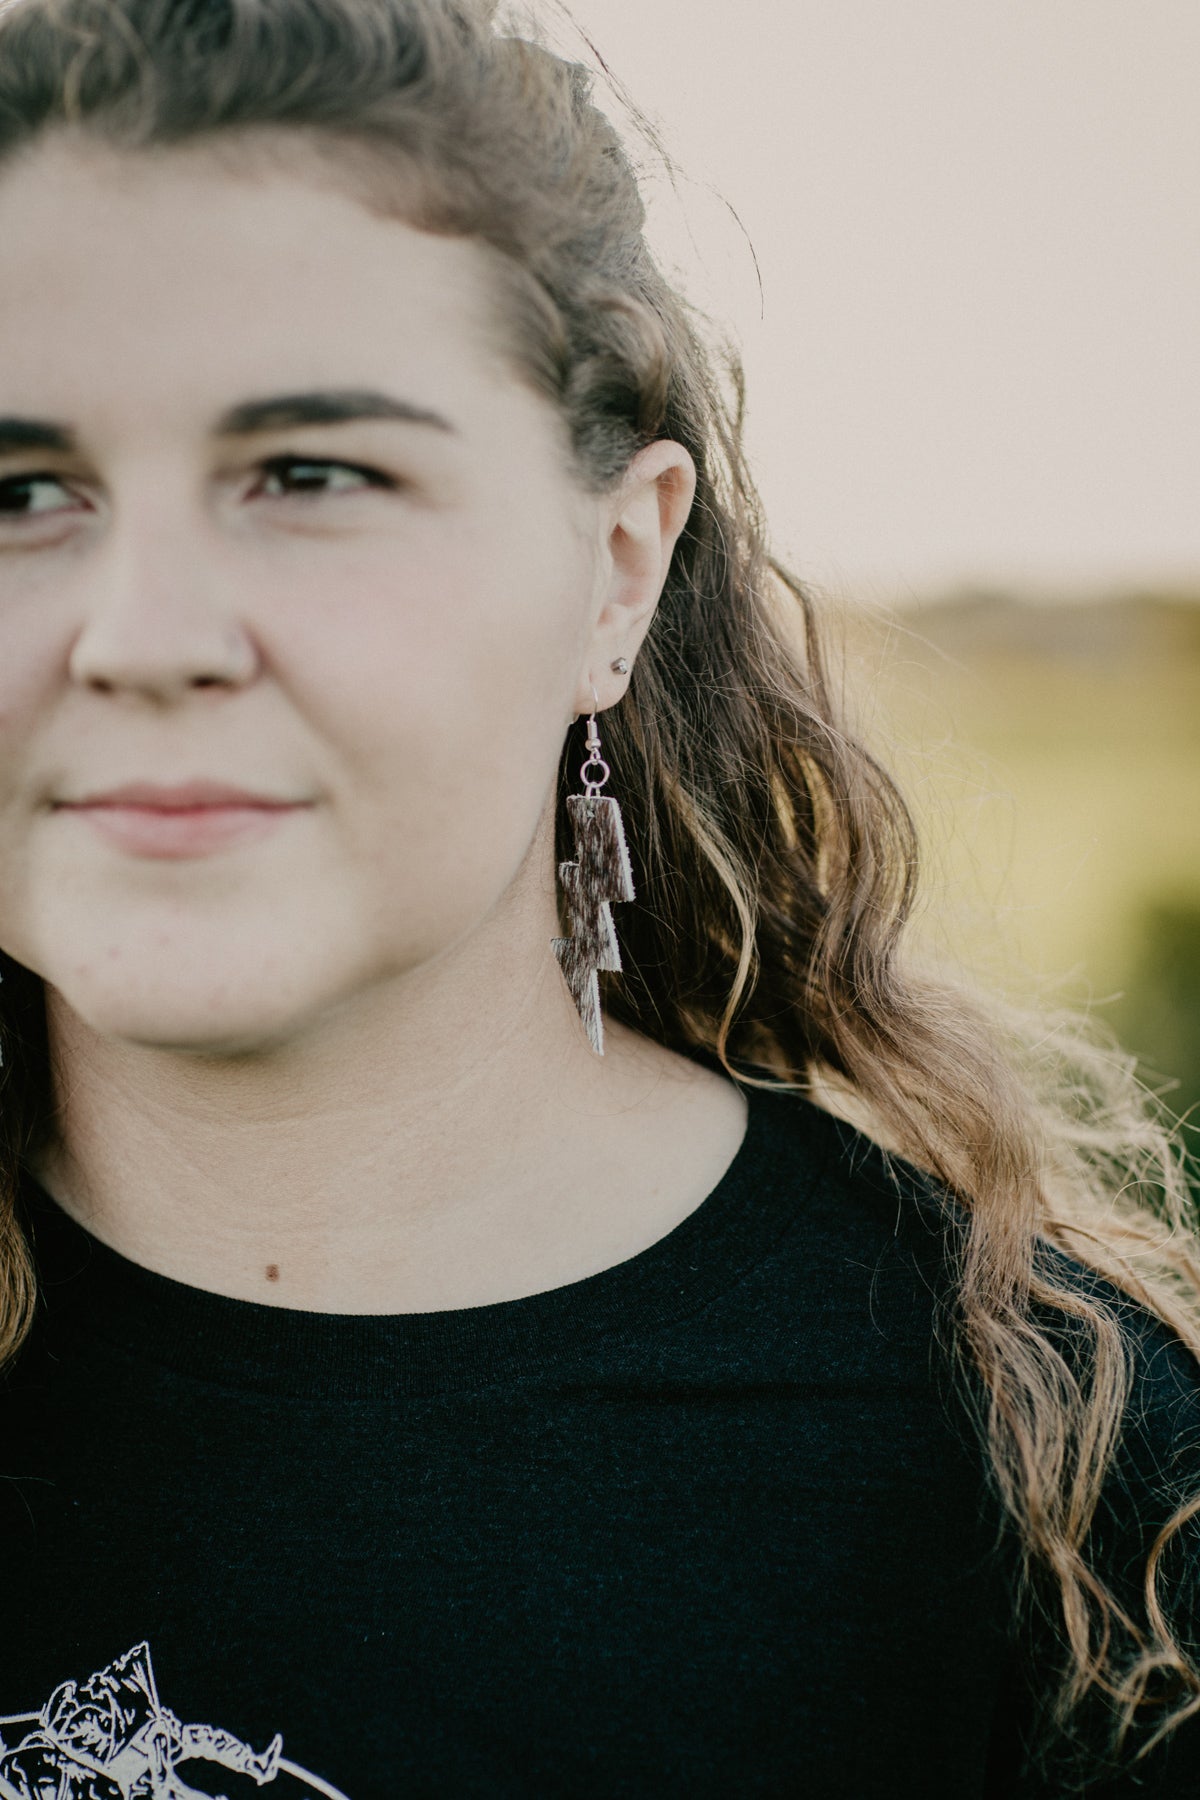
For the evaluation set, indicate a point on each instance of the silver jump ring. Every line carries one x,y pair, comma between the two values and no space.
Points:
594,783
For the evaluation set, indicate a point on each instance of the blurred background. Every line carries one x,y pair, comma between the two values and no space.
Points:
959,247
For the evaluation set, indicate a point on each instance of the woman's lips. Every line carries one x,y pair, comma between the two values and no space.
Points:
193,819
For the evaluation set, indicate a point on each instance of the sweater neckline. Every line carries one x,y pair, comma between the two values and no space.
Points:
88,1291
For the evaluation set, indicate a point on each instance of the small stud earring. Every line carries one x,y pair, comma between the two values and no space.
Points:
620,667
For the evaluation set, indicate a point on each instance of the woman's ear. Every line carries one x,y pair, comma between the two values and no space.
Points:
643,520
650,509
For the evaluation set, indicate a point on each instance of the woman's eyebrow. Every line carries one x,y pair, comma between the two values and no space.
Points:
321,407
34,434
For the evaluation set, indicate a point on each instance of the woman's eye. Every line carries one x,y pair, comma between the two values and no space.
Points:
15,493
306,475
31,496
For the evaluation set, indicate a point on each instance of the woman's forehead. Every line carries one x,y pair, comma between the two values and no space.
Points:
245,198
121,259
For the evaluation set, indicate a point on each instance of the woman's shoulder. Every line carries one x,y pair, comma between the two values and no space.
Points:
868,1208
872,1191
1153,1469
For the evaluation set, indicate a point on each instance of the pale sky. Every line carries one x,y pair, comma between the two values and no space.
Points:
978,227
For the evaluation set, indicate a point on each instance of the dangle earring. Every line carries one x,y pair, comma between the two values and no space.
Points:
600,873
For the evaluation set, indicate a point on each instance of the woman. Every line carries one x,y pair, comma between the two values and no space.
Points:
420,1379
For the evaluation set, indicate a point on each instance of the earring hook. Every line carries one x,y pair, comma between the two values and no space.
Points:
595,781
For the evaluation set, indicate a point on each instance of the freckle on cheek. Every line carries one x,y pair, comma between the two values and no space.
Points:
272,1271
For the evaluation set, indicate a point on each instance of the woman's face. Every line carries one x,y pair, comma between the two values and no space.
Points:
383,622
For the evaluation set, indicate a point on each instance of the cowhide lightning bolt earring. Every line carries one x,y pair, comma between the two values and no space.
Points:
600,873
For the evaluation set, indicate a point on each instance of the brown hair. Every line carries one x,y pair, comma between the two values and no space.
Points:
776,857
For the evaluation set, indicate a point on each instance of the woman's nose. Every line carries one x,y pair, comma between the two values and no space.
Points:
157,627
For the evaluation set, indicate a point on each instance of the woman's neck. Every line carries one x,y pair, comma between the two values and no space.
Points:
374,1167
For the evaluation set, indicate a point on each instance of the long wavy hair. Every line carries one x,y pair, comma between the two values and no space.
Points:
776,857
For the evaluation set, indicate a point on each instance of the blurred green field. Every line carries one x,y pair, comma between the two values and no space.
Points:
1051,754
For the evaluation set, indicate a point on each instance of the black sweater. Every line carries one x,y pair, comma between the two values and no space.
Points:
710,1523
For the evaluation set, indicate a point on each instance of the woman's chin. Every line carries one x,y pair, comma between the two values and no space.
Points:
214,1019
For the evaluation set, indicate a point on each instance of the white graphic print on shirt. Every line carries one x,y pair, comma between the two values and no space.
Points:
111,1738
